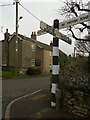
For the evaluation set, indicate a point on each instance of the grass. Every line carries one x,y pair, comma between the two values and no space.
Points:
0,74
11,75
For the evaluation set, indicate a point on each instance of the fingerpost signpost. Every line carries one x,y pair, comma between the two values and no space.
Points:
45,28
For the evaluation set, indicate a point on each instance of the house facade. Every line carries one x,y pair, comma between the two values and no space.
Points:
31,53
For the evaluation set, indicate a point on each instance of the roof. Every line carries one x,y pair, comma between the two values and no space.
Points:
39,44
23,37
45,46
1,40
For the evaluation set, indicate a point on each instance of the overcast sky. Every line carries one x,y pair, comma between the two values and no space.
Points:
45,10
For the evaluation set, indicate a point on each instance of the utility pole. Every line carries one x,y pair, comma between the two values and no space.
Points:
89,67
16,49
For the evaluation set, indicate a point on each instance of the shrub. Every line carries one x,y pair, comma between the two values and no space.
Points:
74,85
34,71
75,76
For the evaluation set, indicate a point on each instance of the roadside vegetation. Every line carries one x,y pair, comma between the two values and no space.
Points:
74,86
75,74
12,75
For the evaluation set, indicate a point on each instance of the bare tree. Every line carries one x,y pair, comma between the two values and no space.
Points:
72,8
84,46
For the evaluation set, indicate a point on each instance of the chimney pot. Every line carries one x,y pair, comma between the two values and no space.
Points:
6,35
6,30
33,35
51,44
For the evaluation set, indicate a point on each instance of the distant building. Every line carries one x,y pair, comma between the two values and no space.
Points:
31,53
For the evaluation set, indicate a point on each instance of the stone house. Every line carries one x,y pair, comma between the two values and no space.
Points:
31,53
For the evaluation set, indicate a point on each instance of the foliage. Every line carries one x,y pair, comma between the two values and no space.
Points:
62,59
11,75
0,73
34,71
74,86
74,76
8,74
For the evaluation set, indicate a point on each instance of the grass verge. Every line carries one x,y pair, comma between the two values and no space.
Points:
11,75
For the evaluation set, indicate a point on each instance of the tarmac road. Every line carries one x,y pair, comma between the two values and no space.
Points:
14,88
34,105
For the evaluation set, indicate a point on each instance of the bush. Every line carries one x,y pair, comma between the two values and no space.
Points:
74,76
34,71
74,85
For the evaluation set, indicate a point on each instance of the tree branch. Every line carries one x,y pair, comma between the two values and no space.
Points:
85,48
76,38
73,11
79,9
85,25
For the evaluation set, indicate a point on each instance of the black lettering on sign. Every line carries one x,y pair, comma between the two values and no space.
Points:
84,17
63,24
72,21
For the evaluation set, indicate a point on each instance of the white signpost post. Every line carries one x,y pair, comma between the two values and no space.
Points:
45,28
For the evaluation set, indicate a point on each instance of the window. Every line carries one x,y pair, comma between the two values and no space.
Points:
50,53
33,47
33,62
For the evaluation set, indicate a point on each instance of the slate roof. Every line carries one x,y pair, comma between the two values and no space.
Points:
40,44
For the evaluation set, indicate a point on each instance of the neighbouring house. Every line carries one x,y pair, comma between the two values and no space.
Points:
5,49
30,53
0,56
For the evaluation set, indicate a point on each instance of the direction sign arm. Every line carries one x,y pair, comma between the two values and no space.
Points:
74,21
62,36
41,32
55,32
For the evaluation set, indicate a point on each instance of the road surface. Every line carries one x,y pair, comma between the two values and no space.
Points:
14,88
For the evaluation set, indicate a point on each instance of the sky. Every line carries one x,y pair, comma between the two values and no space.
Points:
44,10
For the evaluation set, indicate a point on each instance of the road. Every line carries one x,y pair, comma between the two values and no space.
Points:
14,88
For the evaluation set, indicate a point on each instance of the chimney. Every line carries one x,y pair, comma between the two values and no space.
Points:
6,35
51,44
33,35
